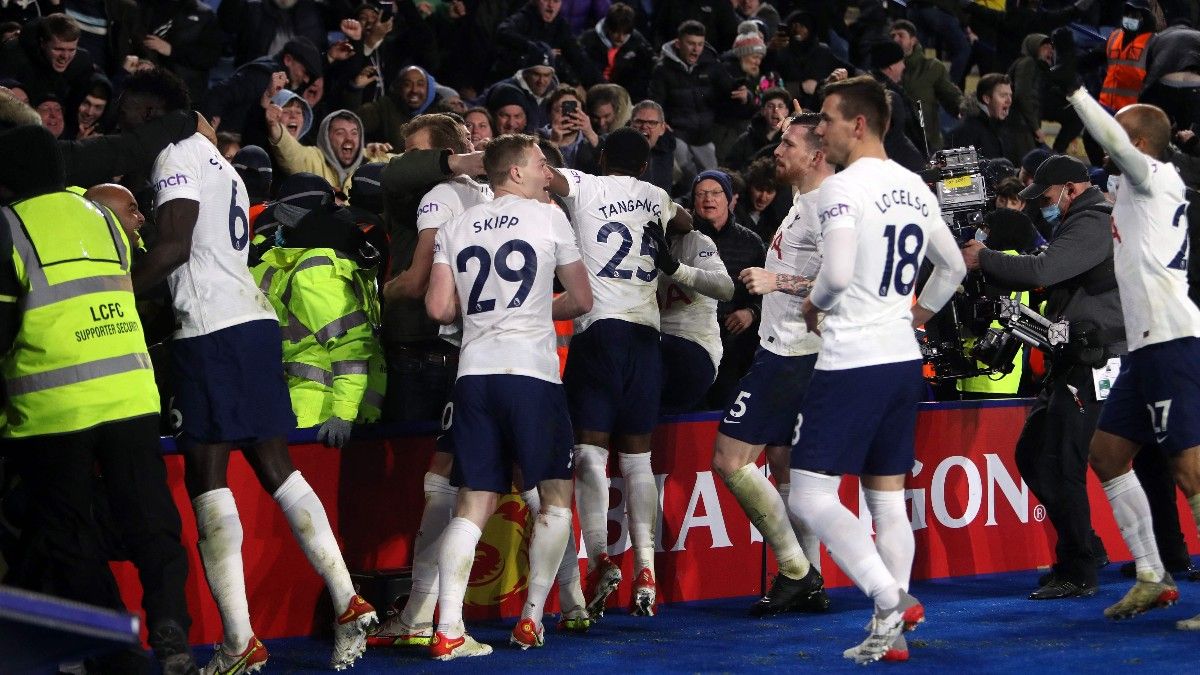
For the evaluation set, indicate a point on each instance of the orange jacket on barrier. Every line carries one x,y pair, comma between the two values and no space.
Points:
1126,69
563,330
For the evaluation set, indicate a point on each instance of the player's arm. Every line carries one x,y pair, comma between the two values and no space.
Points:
176,221
559,184
577,300
948,271
1112,137
837,271
413,282
441,300
708,276
759,281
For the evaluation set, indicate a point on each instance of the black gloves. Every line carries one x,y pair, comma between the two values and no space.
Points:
663,259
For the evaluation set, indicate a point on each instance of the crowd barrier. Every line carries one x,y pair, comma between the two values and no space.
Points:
970,510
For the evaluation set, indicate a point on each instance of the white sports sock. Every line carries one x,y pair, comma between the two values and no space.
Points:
570,592
766,510
591,498
551,530
814,499
220,544
808,540
310,526
440,497
1132,511
893,532
455,559
641,507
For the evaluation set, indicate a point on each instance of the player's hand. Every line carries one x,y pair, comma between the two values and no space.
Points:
970,254
758,280
812,318
663,259
738,321
920,315
335,432
377,149
365,76
351,29
156,44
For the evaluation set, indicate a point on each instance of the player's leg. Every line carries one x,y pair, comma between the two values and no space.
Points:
455,559
779,458
1186,467
574,616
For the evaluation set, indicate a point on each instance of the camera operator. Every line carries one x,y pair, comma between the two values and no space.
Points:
1076,270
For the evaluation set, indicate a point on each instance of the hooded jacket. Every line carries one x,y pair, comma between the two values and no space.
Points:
690,95
286,96
384,118
515,90
1028,75
631,65
321,160
926,83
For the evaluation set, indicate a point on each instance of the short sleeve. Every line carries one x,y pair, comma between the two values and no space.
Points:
176,173
435,208
837,206
441,250
565,249
581,187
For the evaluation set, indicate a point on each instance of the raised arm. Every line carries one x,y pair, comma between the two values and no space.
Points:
1112,137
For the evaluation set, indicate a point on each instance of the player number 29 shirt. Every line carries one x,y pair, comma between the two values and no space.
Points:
610,214
213,289
894,214
503,255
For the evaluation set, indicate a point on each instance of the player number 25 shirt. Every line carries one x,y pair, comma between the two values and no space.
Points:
213,289
503,255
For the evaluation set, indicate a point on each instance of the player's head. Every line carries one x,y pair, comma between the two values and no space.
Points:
515,164
625,153
1148,127
712,196
855,112
436,131
800,151
150,94
120,201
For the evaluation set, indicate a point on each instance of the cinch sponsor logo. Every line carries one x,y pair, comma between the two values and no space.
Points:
171,181
428,208
833,212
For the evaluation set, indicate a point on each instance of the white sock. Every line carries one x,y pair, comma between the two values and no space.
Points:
591,498
551,530
641,507
808,540
1132,511
570,592
814,499
767,512
439,508
454,568
310,526
220,544
893,532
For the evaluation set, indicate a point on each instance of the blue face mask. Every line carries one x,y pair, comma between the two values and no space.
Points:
1130,23
1052,213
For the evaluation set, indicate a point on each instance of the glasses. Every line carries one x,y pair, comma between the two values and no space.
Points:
645,123
705,194
775,105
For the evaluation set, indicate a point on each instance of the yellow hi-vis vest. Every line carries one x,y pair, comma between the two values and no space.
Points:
79,359
990,384
328,311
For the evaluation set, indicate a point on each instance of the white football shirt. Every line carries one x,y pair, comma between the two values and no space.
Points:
893,215
503,255
213,289
685,311
610,215
795,249
449,200
1150,253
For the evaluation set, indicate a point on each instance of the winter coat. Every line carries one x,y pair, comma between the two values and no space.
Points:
690,95
1008,138
191,28
518,35
22,60
632,64
256,23
752,144
799,62
1028,75
926,83
898,145
291,157
236,100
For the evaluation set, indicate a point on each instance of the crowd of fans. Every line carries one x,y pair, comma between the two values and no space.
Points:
327,88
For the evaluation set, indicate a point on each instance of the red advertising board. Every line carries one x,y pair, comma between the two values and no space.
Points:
970,511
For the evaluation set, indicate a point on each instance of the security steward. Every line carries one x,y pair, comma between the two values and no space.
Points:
79,392
1076,270
321,280
1125,52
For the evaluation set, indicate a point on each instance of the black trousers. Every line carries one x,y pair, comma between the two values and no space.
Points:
1153,470
1052,457
61,552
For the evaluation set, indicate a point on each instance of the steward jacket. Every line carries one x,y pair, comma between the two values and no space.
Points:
79,357
1126,68
328,309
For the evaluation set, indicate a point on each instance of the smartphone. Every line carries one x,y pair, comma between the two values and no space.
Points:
569,107
388,9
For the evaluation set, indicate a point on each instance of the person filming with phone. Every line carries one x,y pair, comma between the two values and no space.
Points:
570,130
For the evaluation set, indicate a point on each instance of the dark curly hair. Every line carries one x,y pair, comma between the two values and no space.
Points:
161,84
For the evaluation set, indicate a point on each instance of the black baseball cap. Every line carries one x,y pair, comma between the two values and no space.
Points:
1056,170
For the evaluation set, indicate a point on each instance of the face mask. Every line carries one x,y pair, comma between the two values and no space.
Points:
1052,213
980,235
1130,24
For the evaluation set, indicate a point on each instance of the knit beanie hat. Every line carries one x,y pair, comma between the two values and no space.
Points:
722,179
749,40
